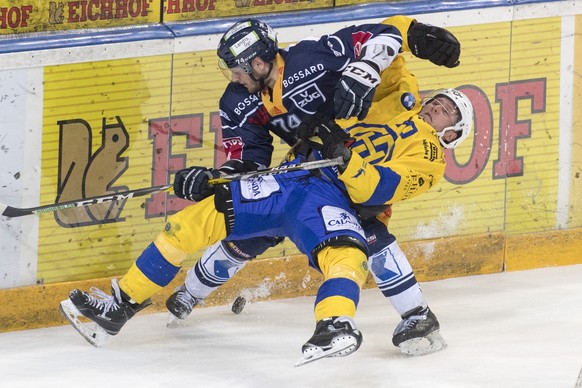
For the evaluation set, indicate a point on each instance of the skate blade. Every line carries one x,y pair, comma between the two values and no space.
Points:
342,347
423,346
173,321
96,335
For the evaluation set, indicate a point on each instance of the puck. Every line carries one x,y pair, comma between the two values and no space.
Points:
238,305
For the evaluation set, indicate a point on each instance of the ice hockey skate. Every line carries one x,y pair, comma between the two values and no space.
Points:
108,313
333,337
180,305
418,333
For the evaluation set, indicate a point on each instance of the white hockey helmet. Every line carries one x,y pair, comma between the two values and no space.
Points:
465,110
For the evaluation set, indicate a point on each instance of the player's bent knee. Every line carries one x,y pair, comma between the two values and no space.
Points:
150,272
191,229
171,249
340,241
343,262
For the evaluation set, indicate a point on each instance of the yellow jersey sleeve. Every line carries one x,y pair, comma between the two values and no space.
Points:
403,24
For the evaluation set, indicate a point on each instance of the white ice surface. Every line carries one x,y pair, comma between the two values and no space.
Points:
517,329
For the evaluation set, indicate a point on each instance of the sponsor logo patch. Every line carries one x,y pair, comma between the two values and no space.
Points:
308,99
408,100
258,187
233,147
336,219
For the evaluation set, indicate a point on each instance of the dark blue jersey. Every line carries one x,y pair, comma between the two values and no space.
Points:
245,126
308,74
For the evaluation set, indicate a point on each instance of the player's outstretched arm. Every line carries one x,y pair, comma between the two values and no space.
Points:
436,44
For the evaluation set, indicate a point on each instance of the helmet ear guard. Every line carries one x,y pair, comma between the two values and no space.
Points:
244,41
465,110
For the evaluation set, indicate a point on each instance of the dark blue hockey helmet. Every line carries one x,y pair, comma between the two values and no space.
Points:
244,41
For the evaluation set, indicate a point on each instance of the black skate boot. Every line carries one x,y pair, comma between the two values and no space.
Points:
181,303
418,333
333,337
108,311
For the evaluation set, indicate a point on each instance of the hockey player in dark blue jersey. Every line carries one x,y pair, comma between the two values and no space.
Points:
273,92
335,75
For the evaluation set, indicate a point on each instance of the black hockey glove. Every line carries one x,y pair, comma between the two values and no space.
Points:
335,141
355,90
306,130
192,183
435,44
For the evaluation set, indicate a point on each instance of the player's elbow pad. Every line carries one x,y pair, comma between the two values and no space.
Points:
378,54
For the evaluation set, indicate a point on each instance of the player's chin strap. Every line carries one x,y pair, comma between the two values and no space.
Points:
261,81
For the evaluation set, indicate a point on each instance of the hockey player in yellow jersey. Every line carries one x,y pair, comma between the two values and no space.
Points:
388,163
390,159
404,156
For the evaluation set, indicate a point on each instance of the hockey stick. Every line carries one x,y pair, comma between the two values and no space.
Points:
279,170
9,211
579,381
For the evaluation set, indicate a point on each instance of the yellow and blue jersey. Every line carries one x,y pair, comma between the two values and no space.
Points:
392,160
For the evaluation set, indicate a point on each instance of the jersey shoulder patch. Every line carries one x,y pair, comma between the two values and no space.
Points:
408,100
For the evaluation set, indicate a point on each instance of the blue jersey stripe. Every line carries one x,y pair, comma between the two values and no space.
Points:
389,181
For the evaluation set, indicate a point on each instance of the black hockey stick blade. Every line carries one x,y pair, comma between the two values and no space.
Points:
9,211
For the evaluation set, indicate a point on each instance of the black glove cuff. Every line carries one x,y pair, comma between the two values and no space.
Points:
238,165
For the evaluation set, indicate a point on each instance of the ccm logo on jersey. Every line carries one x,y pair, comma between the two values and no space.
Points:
304,99
233,147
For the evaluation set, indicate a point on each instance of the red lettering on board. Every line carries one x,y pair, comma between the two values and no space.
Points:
188,6
511,128
15,17
93,10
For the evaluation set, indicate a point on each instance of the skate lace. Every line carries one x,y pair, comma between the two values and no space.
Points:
412,321
184,297
102,301
334,326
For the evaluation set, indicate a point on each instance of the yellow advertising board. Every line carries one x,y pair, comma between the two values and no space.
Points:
341,3
96,140
576,179
35,16
132,123
182,10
